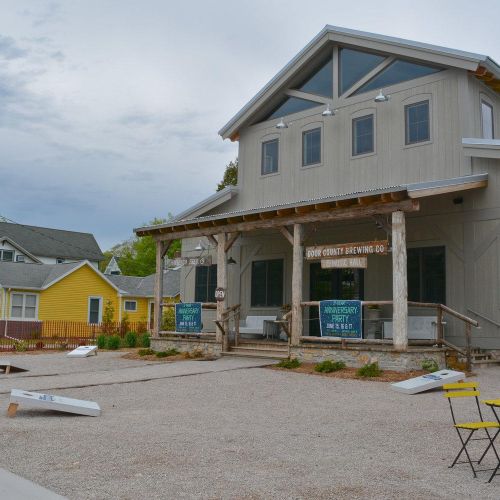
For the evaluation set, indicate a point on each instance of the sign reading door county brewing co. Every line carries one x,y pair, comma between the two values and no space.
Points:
347,250
340,318
188,317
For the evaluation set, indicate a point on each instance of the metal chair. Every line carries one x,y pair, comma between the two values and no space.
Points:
463,390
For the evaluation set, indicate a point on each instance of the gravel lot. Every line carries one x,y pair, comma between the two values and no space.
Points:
230,429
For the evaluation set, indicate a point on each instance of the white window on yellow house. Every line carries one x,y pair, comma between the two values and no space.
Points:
130,305
24,306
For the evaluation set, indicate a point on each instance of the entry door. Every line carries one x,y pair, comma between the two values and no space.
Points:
329,284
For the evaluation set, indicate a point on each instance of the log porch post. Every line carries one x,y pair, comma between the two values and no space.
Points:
222,283
297,272
399,283
158,288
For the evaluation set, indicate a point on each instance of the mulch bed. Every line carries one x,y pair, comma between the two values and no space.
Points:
350,373
152,357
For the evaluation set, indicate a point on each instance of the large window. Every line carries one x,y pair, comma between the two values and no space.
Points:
6,255
427,275
311,147
291,105
362,135
354,65
487,120
417,127
267,283
321,82
95,310
205,283
270,157
24,306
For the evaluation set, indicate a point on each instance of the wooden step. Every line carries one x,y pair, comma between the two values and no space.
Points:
260,348
257,353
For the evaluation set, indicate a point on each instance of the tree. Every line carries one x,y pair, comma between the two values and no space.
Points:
230,177
137,256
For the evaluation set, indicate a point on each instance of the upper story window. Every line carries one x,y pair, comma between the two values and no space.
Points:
60,260
311,147
6,255
267,283
20,258
354,65
417,127
362,135
397,72
130,305
320,82
270,157
24,306
205,283
291,105
487,120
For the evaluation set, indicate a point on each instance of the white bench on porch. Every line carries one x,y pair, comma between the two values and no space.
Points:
254,325
419,328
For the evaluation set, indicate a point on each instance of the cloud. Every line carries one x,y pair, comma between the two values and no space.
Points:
9,49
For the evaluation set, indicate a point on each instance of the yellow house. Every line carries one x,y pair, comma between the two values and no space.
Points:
77,292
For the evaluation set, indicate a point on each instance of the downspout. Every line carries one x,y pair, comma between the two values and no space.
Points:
5,311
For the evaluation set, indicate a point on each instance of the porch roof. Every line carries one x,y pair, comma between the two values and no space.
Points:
339,207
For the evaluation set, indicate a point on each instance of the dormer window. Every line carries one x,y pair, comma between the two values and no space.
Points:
487,120
270,157
6,255
60,260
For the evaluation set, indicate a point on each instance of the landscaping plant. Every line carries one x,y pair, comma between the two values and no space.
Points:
430,365
289,363
165,354
101,341
131,339
20,346
145,352
369,370
113,342
328,366
145,340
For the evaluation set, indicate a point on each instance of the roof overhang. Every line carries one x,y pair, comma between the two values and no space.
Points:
481,148
336,35
209,203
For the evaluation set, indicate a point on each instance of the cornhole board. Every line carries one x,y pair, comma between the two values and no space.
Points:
48,402
6,367
83,351
428,381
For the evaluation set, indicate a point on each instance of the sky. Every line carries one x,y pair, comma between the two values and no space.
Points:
110,109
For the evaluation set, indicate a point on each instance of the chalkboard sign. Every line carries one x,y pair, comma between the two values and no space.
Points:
341,318
188,317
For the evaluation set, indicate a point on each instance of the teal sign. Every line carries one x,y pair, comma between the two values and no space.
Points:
188,317
341,318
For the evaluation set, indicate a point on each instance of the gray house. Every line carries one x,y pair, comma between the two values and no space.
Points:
360,138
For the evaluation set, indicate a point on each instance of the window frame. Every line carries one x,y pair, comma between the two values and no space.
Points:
20,257
125,302
406,122
23,306
96,297
207,285
2,252
262,147
308,130
485,102
354,119
268,259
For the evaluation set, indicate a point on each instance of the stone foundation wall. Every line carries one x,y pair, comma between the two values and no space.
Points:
356,357
208,347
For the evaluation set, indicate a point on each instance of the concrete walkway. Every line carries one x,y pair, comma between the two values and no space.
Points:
14,487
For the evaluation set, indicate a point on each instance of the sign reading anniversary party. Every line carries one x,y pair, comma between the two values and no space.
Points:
341,318
188,317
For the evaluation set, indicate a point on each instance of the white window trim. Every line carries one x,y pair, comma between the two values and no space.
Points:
24,306
2,250
100,309
131,302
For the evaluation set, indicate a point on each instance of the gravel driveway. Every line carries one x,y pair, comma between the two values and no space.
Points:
233,430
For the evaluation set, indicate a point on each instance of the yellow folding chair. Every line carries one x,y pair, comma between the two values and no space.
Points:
463,390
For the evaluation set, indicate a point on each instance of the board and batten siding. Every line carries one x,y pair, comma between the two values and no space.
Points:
68,299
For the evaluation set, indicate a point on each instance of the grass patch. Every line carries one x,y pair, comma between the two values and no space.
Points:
289,363
369,370
329,366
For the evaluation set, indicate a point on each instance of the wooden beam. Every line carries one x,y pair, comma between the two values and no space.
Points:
398,195
251,217
297,275
235,137
304,209
235,220
399,283
267,215
231,241
158,292
222,337
286,233
447,189
339,214
212,239
285,211
324,206
346,203
166,246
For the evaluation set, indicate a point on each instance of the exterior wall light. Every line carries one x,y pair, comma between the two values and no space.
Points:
281,124
382,97
328,111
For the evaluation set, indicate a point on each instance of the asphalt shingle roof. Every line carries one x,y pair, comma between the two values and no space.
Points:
19,274
137,286
46,242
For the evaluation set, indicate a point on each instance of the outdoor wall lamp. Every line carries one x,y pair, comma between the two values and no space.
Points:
328,111
199,247
281,124
382,97
231,261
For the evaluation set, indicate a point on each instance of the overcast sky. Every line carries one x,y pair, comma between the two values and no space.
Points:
109,109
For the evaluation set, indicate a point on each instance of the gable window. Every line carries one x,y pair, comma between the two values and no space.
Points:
311,147
397,72
487,120
95,310
267,283
417,127
205,283
270,157
362,135
59,260
321,82
24,306
291,105
20,258
427,274
130,305
6,255
354,65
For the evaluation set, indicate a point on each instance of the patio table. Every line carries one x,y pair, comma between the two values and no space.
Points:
494,404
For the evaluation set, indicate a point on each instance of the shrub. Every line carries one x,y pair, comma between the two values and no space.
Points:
168,319
113,342
369,370
130,339
20,346
289,363
145,340
101,341
169,352
146,352
328,366
430,365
